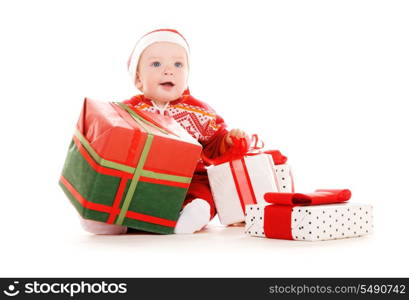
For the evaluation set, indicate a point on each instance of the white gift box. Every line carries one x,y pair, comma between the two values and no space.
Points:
318,222
228,182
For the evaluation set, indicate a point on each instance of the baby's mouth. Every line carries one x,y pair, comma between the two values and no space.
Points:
168,84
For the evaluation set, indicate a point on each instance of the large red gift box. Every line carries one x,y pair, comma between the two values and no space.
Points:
129,167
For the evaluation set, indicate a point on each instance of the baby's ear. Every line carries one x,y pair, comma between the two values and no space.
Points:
138,81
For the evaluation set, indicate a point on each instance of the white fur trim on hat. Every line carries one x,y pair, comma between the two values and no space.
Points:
161,35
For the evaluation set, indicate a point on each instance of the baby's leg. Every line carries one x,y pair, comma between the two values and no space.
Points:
101,228
194,216
198,208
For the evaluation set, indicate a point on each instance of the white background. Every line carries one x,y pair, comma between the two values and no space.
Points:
326,82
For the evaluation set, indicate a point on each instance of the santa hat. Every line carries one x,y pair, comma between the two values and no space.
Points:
160,35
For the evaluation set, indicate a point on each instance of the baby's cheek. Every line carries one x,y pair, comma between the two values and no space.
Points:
152,86
183,84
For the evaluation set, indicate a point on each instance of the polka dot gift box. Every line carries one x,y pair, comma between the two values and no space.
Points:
244,181
322,215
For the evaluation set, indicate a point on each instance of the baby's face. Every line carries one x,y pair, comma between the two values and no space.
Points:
163,71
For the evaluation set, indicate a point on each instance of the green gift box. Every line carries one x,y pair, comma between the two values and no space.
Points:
129,167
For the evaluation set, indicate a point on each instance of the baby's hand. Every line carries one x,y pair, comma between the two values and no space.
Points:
236,133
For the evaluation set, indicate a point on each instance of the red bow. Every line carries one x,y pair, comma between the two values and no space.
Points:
244,147
318,197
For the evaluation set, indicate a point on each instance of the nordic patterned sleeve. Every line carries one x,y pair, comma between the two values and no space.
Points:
202,122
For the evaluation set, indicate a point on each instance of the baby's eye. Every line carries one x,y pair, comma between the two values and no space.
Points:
155,64
178,64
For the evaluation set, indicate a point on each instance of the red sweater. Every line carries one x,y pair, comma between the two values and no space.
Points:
197,117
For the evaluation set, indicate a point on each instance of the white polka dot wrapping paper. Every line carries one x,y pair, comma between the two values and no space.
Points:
318,222
255,220
233,187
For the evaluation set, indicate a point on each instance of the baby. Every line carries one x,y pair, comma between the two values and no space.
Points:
159,67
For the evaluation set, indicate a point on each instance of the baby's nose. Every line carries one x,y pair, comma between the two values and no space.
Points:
168,70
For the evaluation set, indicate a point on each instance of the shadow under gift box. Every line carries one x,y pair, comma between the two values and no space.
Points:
129,167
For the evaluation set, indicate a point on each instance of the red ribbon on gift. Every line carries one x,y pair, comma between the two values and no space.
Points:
277,217
242,182
243,147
